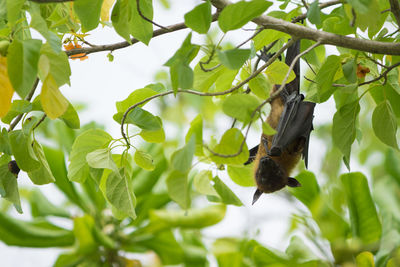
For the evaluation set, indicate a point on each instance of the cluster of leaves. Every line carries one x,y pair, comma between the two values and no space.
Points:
126,199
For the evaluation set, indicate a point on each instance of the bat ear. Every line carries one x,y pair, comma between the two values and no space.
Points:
293,182
256,196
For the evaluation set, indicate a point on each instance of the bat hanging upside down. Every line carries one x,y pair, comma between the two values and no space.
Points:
291,117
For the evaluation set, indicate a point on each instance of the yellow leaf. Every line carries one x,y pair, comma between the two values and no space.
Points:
105,10
6,90
53,102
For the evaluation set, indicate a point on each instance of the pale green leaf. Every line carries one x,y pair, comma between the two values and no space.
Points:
135,97
202,183
178,188
144,160
199,19
21,147
226,194
240,106
230,144
43,174
234,58
52,100
384,124
242,175
101,159
277,71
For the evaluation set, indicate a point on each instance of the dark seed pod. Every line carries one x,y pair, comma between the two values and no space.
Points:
13,168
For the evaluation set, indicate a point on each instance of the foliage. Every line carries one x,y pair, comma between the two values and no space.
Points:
145,192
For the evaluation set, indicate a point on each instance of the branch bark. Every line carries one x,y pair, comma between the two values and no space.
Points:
116,46
327,38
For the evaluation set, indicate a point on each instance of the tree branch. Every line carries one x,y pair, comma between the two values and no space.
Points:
254,74
395,8
147,19
303,32
28,98
116,46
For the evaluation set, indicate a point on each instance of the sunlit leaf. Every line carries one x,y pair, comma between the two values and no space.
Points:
196,129
240,106
105,10
230,144
309,190
325,77
144,160
242,175
181,159
277,71
140,28
202,183
101,158
88,141
135,97
365,259
53,102
238,14
199,19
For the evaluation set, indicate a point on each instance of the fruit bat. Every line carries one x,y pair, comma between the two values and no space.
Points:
291,117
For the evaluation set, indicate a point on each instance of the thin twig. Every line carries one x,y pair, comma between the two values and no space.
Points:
305,4
28,98
254,74
333,84
375,61
311,68
383,75
353,21
265,50
147,19
250,38
116,46
40,121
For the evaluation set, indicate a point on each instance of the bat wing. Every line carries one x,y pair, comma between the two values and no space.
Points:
252,156
294,124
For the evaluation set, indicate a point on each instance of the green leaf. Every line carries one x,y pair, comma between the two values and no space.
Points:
344,127
260,86
230,144
202,183
325,77
21,147
43,174
9,187
266,257
88,12
157,136
143,119
135,97
59,65
234,58
350,71
267,129
365,259
192,218
119,192
265,37
277,71
361,6
309,190
17,107
242,175
101,159
384,124
52,100
240,106
196,129
180,71
42,207
299,251
181,160
178,188
14,10
364,219
238,14
140,28
71,118
144,160
88,141
5,146
22,62
36,234
314,13
227,196
120,16
199,19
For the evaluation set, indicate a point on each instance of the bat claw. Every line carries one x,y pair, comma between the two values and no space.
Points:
293,182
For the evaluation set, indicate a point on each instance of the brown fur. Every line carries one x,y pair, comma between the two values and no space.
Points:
287,160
